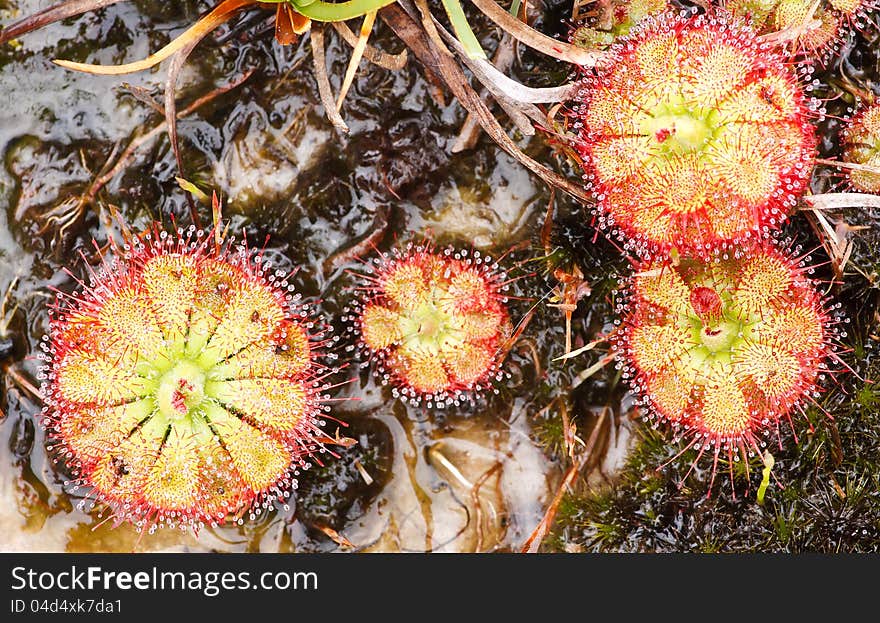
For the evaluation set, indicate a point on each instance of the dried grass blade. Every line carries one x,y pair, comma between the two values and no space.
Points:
470,131
833,201
518,112
520,92
221,13
536,40
404,24
356,56
427,19
583,376
581,350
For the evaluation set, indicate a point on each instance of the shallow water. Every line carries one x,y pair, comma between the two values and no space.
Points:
465,479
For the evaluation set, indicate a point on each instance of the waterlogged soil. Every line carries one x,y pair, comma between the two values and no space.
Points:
472,478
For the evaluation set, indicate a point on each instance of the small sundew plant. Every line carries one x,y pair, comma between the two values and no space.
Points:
603,27
815,28
694,135
181,385
436,322
861,143
726,350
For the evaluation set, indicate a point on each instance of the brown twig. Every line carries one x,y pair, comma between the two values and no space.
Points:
478,507
144,97
362,247
21,381
325,91
49,15
334,536
836,239
136,144
380,58
174,69
533,543
6,316
850,166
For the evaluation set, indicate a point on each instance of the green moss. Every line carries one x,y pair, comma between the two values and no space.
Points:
550,433
823,493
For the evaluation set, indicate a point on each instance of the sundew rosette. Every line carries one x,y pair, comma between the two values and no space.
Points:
814,28
861,146
435,322
180,383
694,135
725,350
602,27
